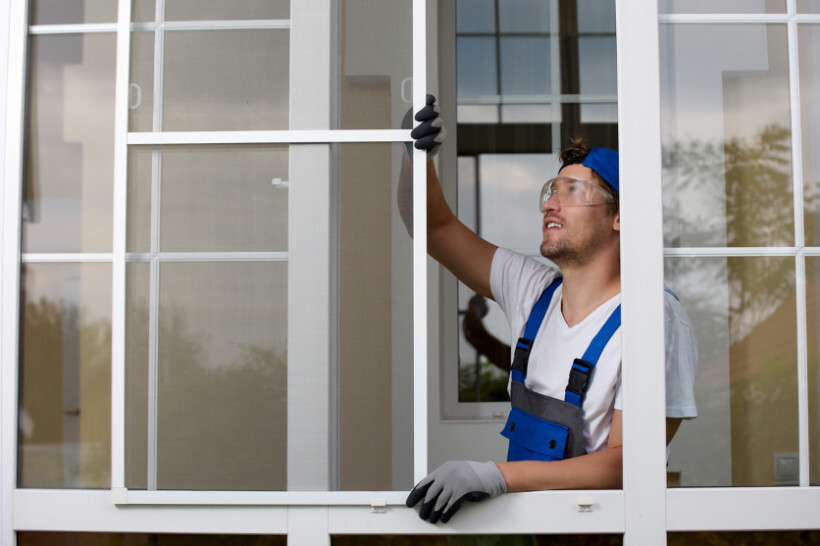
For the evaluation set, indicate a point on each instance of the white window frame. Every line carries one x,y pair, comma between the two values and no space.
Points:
644,510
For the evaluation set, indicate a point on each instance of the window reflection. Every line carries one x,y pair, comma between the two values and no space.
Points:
218,353
65,376
374,57
744,315
808,47
727,173
67,202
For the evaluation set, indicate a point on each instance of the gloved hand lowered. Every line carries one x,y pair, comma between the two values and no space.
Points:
452,484
430,134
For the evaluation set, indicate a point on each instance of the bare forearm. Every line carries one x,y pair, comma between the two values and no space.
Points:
600,470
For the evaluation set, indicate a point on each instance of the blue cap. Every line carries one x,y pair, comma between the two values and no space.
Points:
604,162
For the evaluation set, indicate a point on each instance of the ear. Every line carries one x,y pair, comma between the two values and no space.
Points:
616,223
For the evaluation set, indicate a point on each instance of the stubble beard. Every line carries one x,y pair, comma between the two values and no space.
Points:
565,253
561,253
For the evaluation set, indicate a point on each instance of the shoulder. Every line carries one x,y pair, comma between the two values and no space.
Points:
512,272
673,310
516,281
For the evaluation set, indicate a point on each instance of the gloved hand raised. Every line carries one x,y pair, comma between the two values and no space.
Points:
452,484
430,134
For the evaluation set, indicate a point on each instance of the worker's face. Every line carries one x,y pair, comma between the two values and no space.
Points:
572,235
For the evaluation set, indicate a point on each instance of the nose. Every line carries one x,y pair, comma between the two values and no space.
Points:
552,203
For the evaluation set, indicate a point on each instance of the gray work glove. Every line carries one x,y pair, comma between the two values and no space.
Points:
430,134
445,489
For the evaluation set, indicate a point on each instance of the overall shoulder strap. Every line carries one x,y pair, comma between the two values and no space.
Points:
582,367
522,348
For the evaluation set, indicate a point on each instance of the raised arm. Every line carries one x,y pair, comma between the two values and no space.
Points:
449,241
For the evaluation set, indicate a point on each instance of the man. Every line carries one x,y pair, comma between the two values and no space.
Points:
565,425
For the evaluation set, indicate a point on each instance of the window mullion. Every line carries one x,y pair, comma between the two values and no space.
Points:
118,261
419,250
644,469
309,389
799,242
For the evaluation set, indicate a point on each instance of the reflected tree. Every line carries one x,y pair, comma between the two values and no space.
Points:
750,181
222,424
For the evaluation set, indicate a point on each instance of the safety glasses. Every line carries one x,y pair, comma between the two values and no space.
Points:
574,192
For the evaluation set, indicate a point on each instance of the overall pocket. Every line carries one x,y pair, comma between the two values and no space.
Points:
534,439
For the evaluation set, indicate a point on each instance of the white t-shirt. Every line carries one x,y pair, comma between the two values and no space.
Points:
517,282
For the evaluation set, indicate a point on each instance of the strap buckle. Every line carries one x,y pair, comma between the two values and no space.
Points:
521,356
579,377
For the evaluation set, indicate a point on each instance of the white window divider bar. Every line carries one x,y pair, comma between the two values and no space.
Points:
208,257
419,250
118,255
723,18
642,330
88,28
249,24
82,28
68,257
734,252
799,240
269,137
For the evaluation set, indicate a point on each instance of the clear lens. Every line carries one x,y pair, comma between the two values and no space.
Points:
574,192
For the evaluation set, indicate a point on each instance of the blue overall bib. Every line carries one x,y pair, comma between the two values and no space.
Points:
540,427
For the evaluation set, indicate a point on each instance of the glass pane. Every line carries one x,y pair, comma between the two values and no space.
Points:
809,54
597,16
726,139
212,10
67,201
477,67
141,114
808,6
524,16
475,16
211,199
525,66
138,347
375,63
221,375
143,10
744,316
62,12
375,306
813,328
65,376
600,73
722,6
216,80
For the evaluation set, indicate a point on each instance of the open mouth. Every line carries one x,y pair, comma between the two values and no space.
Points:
554,225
